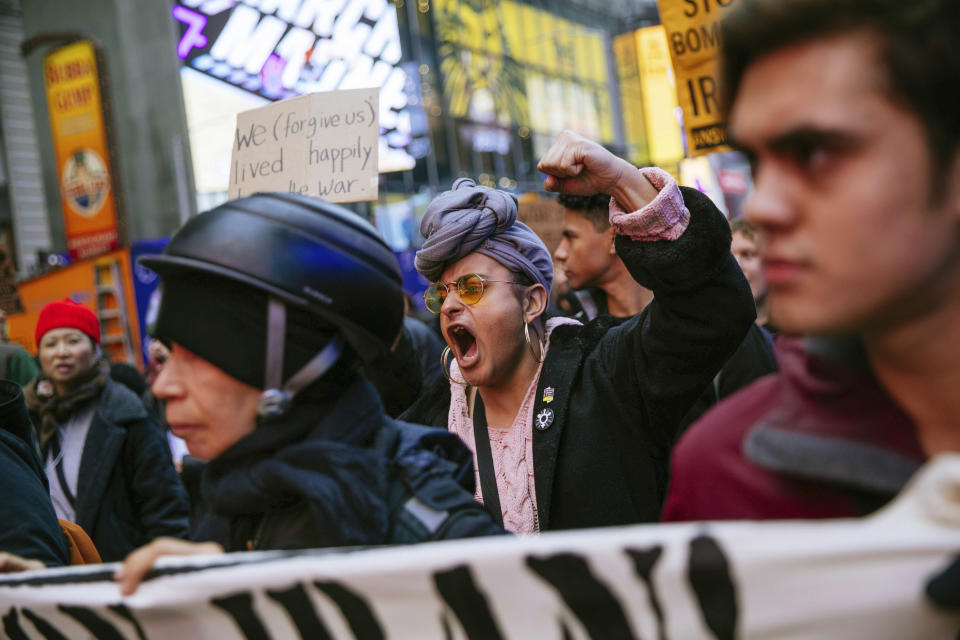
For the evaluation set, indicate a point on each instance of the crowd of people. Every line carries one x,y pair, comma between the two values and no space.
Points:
318,413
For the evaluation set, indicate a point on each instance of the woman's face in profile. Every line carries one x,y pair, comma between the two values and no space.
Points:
205,406
65,354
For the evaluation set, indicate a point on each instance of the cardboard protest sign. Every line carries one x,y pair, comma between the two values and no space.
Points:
723,580
693,35
320,144
545,217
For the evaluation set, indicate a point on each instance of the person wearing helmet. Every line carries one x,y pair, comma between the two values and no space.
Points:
270,304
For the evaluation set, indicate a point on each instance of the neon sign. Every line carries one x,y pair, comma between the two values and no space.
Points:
282,48
193,36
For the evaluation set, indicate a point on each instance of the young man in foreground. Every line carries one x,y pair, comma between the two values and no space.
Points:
848,112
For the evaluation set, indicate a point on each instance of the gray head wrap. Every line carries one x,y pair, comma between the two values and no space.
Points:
469,219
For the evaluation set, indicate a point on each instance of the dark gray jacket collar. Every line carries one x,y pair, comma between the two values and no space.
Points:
832,421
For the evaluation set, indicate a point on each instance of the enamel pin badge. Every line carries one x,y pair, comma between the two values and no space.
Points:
544,419
548,395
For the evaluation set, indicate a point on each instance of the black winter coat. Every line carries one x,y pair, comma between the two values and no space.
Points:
128,491
340,473
617,389
752,360
28,523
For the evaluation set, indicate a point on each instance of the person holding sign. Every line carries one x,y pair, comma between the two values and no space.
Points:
572,425
301,454
848,112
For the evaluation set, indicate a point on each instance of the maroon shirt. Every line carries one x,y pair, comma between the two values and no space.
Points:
819,439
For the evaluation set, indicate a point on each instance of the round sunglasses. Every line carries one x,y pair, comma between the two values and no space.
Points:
469,287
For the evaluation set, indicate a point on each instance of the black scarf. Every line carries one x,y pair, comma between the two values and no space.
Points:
52,409
318,454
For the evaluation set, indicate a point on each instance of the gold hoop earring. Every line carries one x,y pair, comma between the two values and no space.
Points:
543,347
444,360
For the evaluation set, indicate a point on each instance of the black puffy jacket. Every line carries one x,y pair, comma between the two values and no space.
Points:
128,491
28,524
340,473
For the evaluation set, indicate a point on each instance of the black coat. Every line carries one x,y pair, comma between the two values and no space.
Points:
752,360
128,492
401,375
340,473
620,388
28,523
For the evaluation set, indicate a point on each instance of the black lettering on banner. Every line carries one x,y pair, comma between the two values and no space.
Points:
44,627
124,612
240,608
100,628
304,617
709,576
467,601
589,599
11,626
643,562
447,626
363,622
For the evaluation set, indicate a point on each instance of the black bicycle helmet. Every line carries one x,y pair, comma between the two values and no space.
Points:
299,251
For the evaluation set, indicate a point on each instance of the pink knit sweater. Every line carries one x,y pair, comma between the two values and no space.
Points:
512,448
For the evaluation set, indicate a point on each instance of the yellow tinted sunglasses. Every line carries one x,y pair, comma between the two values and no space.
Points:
469,287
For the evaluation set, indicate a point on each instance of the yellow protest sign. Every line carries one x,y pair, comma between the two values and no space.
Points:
693,35
320,144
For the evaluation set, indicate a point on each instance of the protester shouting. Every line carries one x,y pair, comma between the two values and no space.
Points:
572,425
301,453
106,461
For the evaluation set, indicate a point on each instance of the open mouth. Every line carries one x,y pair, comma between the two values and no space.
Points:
464,345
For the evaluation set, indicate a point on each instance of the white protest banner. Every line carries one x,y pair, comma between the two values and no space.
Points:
796,579
320,144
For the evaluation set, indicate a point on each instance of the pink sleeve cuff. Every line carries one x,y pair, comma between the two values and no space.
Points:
665,218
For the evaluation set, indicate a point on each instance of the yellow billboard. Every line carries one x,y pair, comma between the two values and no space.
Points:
659,96
631,98
80,144
508,63
693,36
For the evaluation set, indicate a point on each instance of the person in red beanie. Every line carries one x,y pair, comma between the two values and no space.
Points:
106,461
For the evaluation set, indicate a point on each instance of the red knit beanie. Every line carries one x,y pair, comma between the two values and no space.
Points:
67,314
